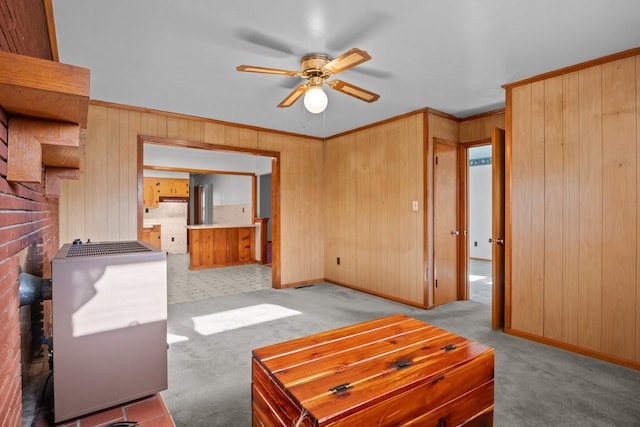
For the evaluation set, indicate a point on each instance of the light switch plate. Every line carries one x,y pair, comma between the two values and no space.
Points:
414,205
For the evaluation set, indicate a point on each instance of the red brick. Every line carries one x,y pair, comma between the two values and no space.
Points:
3,142
28,219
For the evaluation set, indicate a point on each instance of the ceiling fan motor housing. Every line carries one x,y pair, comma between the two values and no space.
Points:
312,66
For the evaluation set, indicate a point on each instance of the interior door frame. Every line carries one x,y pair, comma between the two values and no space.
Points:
496,312
275,188
464,210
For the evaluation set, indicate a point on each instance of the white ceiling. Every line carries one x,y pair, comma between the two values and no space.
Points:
450,55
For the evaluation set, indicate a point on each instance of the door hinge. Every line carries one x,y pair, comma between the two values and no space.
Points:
436,160
436,283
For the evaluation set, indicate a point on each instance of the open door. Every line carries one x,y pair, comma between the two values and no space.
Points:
497,232
445,222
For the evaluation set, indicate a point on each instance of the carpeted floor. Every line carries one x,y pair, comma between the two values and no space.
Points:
480,281
536,385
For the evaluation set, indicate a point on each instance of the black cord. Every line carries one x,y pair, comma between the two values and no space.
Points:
42,406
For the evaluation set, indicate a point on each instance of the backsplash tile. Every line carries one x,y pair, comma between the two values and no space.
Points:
232,214
172,217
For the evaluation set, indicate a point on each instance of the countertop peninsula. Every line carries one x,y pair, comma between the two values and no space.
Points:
220,245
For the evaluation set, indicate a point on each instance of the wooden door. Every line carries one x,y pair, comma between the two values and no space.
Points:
198,217
445,223
497,232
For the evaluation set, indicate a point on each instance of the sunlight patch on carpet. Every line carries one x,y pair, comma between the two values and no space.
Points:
172,338
210,324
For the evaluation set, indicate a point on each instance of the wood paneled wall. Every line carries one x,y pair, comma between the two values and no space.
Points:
573,240
372,177
102,204
479,127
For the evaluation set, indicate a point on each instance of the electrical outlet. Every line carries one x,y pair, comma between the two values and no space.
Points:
338,260
414,205
173,239
475,244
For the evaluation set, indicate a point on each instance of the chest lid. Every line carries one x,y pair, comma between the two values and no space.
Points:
336,373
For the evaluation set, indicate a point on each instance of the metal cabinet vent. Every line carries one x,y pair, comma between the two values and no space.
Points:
106,248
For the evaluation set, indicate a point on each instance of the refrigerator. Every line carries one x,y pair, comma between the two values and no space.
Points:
203,204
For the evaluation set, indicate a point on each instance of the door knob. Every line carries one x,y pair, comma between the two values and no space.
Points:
455,233
497,241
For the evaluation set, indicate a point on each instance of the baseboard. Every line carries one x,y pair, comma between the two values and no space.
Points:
574,348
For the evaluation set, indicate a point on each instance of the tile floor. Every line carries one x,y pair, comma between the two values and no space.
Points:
148,412
185,285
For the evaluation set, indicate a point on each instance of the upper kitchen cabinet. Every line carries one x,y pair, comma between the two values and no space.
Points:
151,193
173,187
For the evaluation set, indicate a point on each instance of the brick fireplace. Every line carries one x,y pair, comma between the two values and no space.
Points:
28,241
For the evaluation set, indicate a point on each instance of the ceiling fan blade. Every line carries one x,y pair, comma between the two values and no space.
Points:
254,69
294,96
347,60
354,91
267,41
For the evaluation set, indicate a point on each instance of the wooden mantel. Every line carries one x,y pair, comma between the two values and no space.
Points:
35,87
48,104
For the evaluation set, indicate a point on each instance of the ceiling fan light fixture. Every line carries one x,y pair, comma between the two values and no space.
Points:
316,68
315,100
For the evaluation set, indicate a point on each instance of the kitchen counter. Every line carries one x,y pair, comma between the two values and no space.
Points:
220,245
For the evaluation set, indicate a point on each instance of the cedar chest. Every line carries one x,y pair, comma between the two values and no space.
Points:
392,371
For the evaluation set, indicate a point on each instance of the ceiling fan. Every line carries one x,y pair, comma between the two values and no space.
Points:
317,68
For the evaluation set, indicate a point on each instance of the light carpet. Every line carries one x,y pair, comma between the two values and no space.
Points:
536,385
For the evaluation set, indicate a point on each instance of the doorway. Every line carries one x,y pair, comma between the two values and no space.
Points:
273,160
485,223
479,280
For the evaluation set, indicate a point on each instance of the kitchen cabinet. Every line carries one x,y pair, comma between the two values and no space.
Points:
150,193
152,235
219,245
173,187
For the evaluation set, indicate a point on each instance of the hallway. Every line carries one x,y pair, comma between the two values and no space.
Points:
480,281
